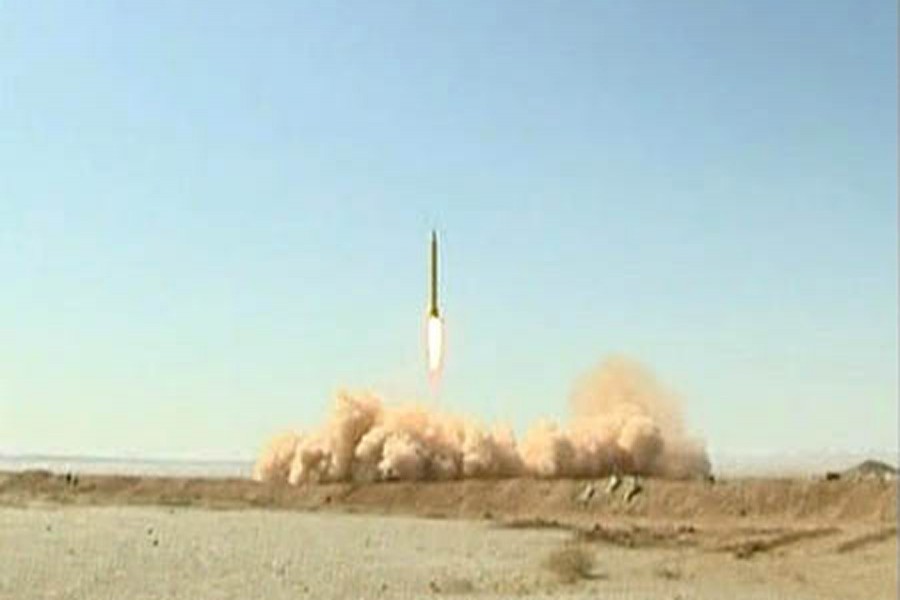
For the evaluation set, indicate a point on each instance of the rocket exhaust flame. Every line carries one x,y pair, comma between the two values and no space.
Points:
435,347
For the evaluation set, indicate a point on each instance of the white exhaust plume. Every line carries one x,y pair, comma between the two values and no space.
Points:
434,344
622,422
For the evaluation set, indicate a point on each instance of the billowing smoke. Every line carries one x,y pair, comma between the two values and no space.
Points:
622,421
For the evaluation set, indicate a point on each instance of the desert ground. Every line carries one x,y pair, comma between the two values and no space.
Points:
104,536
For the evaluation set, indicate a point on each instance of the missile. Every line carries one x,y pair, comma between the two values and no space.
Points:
433,278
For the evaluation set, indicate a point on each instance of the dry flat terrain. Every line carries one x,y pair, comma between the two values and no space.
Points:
130,537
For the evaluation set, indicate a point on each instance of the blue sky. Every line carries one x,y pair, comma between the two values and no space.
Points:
215,214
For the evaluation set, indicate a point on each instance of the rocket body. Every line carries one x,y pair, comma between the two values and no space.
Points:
434,326
433,310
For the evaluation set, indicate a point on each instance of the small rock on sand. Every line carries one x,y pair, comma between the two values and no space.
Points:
613,484
633,488
586,494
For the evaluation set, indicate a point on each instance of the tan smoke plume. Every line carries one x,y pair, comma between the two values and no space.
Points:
622,421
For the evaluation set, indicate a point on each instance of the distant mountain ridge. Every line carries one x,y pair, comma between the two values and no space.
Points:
105,465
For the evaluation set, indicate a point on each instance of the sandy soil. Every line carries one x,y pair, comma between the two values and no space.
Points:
115,537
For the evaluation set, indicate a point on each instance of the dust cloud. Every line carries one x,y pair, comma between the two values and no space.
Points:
622,421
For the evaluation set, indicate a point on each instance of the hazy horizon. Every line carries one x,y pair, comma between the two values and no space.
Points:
723,465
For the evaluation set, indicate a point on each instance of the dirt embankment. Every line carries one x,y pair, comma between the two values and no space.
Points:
867,501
